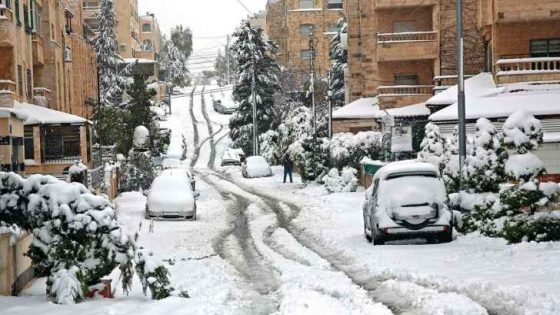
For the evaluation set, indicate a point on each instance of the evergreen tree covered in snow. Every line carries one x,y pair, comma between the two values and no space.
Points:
338,56
111,84
485,165
451,174
311,156
523,134
255,59
175,63
433,147
182,39
139,171
77,236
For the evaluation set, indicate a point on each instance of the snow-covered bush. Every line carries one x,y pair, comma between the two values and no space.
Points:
481,215
433,147
77,173
77,237
541,227
311,156
450,173
523,134
154,275
139,171
269,147
348,149
345,181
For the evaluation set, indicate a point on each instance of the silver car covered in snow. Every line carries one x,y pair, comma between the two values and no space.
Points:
407,200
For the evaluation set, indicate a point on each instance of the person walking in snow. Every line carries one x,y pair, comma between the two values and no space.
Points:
288,167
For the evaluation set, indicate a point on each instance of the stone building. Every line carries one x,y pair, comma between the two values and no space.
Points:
289,24
128,24
397,48
150,36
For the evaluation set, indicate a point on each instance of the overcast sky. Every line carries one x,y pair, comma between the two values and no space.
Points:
210,21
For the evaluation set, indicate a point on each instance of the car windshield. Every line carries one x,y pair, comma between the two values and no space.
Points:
409,190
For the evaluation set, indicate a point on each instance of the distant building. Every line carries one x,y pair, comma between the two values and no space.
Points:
289,23
150,37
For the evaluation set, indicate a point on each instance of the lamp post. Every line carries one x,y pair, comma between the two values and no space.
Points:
461,91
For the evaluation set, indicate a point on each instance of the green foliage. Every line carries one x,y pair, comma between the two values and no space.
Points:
481,219
522,228
311,156
108,125
154,276
182,39
138,172
338,56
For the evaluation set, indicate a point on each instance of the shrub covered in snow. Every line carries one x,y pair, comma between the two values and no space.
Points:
450,172
347,149
77,237
139,171
269,147
433,147
311,156
154,275
541,227
345,181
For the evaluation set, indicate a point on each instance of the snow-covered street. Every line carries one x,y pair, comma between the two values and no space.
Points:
259,246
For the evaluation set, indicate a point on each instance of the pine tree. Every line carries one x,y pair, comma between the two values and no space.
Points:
523,134
485,165
111,84
139,171
182,39
255,57
450,174
433,147
175,63
338,56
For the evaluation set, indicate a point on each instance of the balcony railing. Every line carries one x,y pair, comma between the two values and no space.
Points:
392,4
406,37
528,70
405,90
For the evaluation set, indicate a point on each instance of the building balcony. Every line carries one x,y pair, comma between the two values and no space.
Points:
518,70
511,11
90,12
395,4
407,46
403,95
7,93
145,54
38,55
7,28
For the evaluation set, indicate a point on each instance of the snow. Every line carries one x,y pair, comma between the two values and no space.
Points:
481,85
409,111
38,115
345,181
171,193
141,137
518,125
405,167
522,165
139,60
256,166
363,108
411,190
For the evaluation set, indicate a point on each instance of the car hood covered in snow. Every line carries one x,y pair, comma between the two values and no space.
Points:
171,194
257,166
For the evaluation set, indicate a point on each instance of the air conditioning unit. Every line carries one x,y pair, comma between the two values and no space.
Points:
67,54
344,40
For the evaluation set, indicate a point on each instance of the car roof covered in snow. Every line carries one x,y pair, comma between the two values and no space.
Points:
407,166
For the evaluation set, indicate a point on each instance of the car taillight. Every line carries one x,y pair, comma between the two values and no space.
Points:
386,231
446,228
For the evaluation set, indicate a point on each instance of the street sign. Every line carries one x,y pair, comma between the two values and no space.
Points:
401,139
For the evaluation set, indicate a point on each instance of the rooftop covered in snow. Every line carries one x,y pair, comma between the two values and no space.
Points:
539,100
480,85
363,108
416,110
38,115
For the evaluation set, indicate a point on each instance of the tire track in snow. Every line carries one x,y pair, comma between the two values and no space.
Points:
195,129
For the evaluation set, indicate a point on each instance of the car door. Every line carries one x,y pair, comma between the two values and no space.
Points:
371,204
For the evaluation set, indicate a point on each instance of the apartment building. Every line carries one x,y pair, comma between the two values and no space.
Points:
289,24
150,36
48,74
398,49
128,24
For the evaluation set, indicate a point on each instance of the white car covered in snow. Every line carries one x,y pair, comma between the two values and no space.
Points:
232,157
256,166
407,200
171,196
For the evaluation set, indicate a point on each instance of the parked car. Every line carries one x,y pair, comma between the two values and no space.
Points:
171,197
178,167
256,166
231,157
407,200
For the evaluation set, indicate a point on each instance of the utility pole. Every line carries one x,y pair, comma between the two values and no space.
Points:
329,99
254,101
312,73
227,60
461,91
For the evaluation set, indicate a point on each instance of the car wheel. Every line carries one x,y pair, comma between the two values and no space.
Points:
378,239
368,237
447,236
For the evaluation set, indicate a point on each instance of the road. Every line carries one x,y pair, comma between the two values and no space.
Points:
279,261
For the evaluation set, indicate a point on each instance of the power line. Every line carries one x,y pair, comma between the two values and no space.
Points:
244,6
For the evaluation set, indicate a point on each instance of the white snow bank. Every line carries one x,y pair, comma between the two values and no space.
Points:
523,165
38,115
481,85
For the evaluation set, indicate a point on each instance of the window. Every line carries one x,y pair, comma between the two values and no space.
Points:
28,143
545,48
29,83
20,80
334,4
305,54
404,26
147,45
62,143
306,4
305,29
27,19
332,28
36,18
146,28
406,79
18,19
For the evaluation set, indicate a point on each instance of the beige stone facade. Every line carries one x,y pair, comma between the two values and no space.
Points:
150,37
289,23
